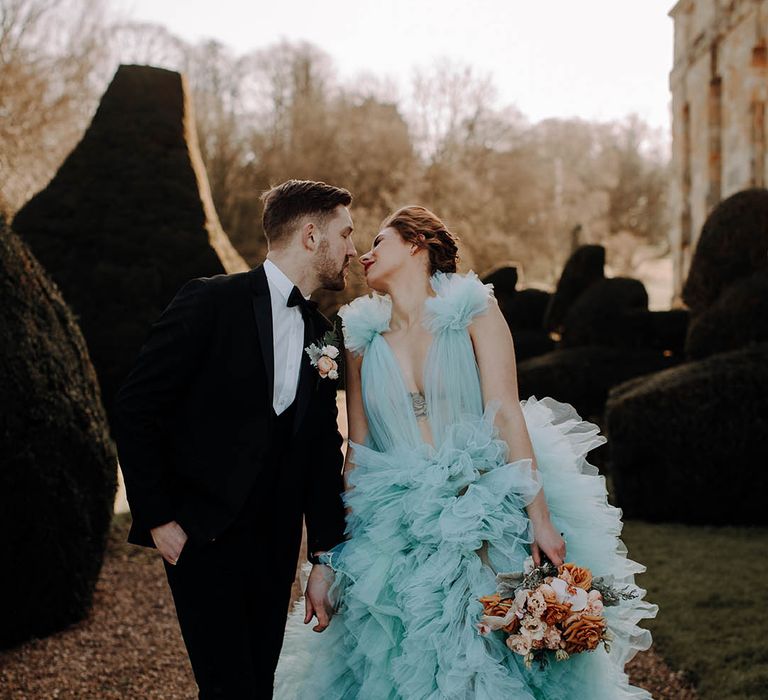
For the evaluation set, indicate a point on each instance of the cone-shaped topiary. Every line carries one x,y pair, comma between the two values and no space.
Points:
503,278
57,464
128,218
688,444
584,268
733,244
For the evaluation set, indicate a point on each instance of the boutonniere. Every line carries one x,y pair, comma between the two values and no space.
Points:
323,354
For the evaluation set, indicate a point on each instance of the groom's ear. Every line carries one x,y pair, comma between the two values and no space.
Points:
309,235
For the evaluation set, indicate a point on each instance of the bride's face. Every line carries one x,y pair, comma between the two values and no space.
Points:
388,254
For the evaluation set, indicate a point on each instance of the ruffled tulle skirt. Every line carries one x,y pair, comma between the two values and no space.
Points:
409,575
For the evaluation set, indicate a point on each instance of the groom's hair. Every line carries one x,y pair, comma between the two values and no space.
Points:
285,204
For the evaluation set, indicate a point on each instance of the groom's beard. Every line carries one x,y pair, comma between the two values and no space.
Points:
331,276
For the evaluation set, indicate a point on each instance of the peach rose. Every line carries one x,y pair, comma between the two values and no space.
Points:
584,634
556,612
552,638
519,644
576,575
536,604
594,603
532,627
326,366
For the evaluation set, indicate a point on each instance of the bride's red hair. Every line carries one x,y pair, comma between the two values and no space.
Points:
420,226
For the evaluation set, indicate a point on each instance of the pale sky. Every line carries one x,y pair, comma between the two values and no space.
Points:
596,59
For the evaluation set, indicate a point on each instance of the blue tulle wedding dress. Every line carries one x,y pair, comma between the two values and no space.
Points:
409,575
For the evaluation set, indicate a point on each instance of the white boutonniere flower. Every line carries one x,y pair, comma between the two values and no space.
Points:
323,354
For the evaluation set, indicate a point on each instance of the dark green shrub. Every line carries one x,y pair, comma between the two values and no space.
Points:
733,244
583,376
503,279
595,318
688,444
526,309
530,344
738,317
57,464
128,218
583,269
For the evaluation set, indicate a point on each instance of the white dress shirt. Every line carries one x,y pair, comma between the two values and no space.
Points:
287,337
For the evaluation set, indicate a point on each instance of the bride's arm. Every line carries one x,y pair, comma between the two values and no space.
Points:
495,353
356,420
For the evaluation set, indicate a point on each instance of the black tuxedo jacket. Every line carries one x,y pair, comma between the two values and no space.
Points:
193,416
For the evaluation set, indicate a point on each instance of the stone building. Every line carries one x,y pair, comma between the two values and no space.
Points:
719,85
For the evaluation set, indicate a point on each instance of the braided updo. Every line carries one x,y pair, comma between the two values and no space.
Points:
418,225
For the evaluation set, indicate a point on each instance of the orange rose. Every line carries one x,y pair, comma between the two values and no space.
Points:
584,634
576,575
513,626
556,612
495,606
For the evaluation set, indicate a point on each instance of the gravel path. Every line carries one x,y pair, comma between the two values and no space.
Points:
130,646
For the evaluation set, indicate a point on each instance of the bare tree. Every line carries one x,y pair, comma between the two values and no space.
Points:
51,72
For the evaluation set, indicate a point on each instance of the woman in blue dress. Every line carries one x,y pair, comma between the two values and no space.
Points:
450,478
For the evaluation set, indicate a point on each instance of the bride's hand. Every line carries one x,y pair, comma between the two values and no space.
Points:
548,540
316,597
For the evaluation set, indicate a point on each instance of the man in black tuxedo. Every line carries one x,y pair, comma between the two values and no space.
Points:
227,436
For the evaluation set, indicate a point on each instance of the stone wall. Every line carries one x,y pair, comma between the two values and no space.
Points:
719,85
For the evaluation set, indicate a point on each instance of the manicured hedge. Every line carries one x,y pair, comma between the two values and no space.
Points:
595,317
738,316
733,244
689,444
128,218
583,376
584,268
57,464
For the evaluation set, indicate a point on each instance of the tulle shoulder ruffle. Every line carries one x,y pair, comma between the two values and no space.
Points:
363,318
460,297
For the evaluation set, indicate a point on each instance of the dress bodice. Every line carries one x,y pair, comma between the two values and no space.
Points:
451,378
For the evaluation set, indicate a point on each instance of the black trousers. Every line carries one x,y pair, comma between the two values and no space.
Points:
232,594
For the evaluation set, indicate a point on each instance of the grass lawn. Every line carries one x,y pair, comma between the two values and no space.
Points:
711,585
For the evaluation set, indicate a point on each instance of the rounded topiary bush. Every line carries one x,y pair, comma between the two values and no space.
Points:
738,316
596,317
688,444
57,464
583,376
733,244
662,330
526,309
529,344
584,268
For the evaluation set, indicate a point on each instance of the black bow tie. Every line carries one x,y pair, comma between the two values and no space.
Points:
306,306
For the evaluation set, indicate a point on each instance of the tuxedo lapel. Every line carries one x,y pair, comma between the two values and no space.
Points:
306,378
262,311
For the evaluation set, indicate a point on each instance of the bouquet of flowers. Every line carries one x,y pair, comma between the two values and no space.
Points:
551,610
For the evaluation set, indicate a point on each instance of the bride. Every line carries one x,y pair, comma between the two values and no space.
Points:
450,478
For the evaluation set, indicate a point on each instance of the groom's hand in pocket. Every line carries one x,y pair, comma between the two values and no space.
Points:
316,596
169,540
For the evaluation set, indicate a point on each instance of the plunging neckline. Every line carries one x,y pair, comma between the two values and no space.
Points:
393,356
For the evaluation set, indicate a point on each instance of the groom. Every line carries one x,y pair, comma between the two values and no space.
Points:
227,436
